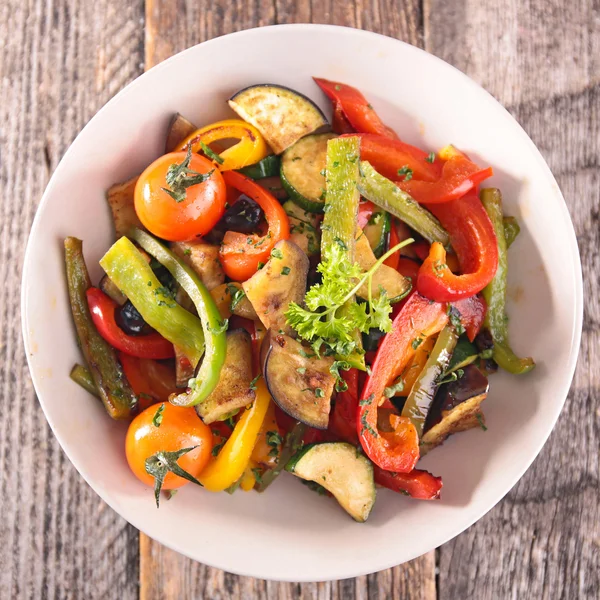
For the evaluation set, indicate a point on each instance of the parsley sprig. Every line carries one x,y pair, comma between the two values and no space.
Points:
322,321
180,177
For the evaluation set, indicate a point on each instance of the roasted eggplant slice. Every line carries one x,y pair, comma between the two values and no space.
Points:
395,285
231,299
457,407
341,470
112,291
281,281
281,115
233,390
300,383
204,259
179,129
120,198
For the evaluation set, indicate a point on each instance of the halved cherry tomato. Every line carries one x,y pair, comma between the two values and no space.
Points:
180,428
196,215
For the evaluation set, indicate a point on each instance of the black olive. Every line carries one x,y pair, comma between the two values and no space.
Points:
130,321
483,340
243,217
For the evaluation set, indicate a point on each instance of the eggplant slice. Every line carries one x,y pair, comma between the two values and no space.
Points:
300,383
179,129
233,390
204,259
281,115
282,280
120,198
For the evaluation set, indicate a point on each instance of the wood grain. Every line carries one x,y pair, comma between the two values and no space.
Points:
163,573
59,62
543,540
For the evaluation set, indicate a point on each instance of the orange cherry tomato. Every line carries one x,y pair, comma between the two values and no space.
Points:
196,215
180,428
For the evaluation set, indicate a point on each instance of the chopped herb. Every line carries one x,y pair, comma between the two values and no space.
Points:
254,382
487,353
237,295
319,393
407,172
479,417
260,265
171,493
366,426
305,354
452,376
375,218
276,253
367,400
323,172
301,370
394,389
216,449
220,328
211,153
454,316
274,439
340,384
296,158
257,475
417,342
188,251
285,271
158,416
431,157
180,177
336,163
338,87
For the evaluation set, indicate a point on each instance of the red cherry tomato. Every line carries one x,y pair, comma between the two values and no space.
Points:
196,215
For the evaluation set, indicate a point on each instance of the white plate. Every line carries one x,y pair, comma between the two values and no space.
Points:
290,533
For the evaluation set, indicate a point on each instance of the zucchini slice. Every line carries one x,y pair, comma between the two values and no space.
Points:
342,470
306,237
377,231
303,171
300,383
281,115
297,212
267,167
464,354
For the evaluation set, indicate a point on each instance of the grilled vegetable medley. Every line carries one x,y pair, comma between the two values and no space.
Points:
286,294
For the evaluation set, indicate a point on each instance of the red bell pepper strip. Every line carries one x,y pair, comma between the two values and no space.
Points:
459,176
102,309
409,268
472,314
354,106
397,451
339,122
240,253
342,422
474,241
416,484
388,156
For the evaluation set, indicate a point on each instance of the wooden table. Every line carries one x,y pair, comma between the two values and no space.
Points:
61,60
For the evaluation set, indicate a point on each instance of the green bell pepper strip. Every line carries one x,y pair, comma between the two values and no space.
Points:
511,230
390,197
106,372
214,328
419,401
81,376
495,293
129,270
341,213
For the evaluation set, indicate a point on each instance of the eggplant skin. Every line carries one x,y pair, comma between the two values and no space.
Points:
204,259
300,383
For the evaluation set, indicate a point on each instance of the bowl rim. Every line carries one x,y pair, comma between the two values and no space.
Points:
485,96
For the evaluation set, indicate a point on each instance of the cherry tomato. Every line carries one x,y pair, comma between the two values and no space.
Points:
180,428
196,215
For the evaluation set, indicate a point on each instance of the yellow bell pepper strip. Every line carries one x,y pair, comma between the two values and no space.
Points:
117,396
128,269
249,150
495,293
213,326
248,479
233,459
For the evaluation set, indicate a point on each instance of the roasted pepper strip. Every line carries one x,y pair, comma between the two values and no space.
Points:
232,460
240,253
128,269
354,106
474,240
418,484
419,401
249,150
213,327
471,312
102,309
399,451
389,156
511,230
342,422
101,359
459,176
341,212
390,197
82,376
339,121
495,294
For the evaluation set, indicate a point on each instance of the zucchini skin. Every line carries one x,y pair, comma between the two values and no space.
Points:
267,167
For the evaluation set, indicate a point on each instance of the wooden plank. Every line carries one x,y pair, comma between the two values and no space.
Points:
59,62
165,574
540,59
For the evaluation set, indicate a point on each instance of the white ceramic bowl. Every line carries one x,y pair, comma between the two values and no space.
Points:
291,533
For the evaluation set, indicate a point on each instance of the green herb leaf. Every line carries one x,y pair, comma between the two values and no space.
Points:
285,271
254,381
480,420
276,253
301,370
454,316
158,416
394,389
237,295
220,328
431,157
257,475
319,393
161,463
407,172
211,153
180,177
